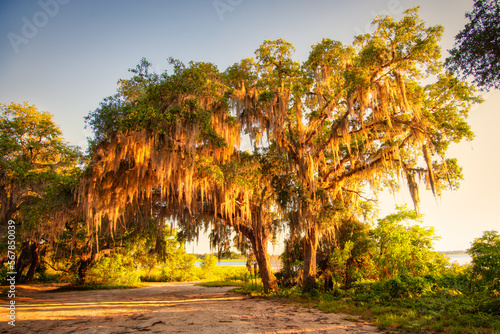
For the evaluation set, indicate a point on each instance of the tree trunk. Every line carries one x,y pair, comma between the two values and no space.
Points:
259,244
35,261
22,260
84,266
9,202
258,240
310,249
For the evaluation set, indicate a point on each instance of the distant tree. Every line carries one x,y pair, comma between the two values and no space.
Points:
159,245
485,252
477,46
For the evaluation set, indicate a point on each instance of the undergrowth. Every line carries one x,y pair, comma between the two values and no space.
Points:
406,304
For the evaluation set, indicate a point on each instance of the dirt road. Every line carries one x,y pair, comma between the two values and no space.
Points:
165,308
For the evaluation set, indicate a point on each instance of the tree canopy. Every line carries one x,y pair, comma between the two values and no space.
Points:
352,116
33,157
38,175
485,253
404,249
348,118
477,46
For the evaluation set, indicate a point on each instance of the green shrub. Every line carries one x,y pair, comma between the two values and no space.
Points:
455,277
47,277
229,273
407,286
405,249
485,252
3,274
179,267
208,265
114,270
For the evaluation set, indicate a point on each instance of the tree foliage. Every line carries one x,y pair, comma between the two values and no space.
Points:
404,249
161,146
169,143
38,176
351,257
485,252
477,46
34,158
353,116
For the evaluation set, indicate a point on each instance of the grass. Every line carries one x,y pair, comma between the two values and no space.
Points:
432,313
237,277
438,311
218,284
225,260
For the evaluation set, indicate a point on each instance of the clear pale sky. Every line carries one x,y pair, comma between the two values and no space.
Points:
65,56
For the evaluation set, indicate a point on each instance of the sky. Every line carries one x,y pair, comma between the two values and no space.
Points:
65,56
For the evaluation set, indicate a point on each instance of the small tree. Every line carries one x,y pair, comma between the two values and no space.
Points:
208,264
405,249
351,258
485,252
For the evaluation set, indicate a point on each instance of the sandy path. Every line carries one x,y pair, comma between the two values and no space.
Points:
165,308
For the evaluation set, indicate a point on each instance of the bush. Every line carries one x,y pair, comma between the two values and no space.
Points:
408,287
485,252
3,274
208,265
405,249
455,277
114,270
179,267
47,277
228,273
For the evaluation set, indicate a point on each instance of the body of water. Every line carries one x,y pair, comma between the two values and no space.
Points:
461,259
276,265
232,263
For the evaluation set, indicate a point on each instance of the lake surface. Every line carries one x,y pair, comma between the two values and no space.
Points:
232,263
276,265
461,259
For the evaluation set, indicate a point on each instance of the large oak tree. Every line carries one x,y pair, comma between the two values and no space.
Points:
349,117
355,115
168,143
